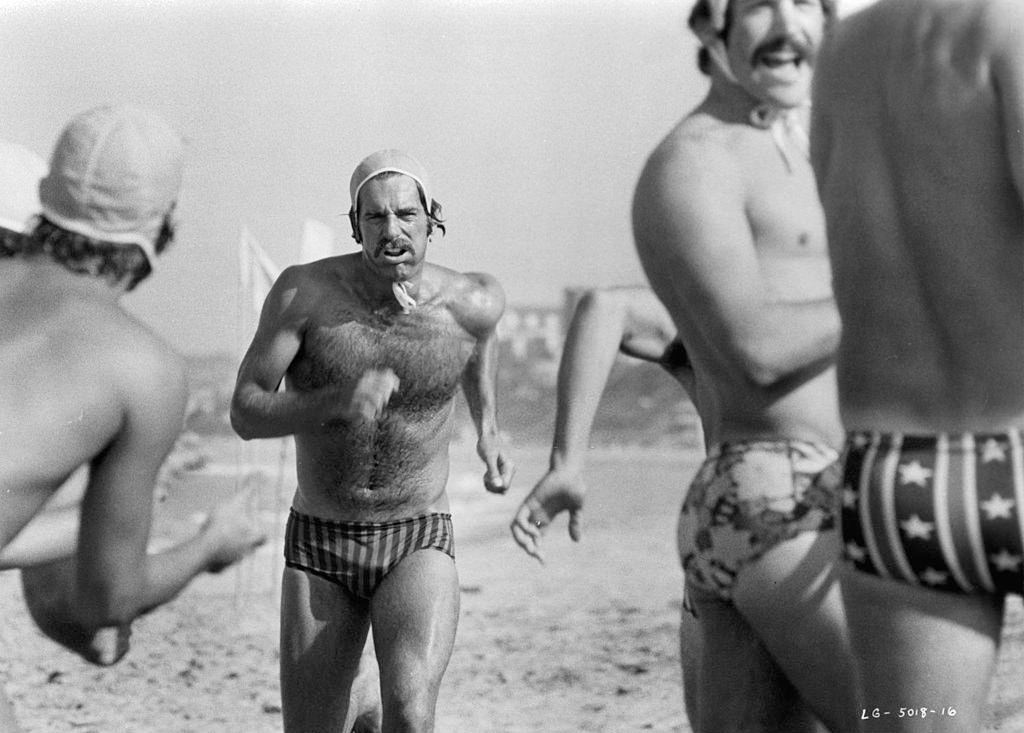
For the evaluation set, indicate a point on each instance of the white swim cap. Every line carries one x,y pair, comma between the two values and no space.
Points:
391,160
114,176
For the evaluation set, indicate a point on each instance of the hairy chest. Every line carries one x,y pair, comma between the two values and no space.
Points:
427,351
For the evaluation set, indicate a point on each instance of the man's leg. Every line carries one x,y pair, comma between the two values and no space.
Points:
690,653
791,599
415,612
323,631
739,688
921,648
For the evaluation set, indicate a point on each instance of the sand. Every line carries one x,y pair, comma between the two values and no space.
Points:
586,642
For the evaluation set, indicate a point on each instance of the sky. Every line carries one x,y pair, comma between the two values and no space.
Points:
532,117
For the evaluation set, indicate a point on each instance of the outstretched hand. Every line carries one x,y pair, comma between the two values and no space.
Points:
559,490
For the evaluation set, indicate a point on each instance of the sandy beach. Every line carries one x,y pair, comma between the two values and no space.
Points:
586,642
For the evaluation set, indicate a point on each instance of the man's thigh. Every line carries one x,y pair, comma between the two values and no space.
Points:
791,598
739,687
323,631
917,647
415,611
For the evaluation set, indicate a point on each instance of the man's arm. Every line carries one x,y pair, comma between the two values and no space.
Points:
698,251
260,410
604,323
1007,19
116,514
482,310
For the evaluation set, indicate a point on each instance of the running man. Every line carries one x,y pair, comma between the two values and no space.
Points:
730,232
920,161
87,384
371,348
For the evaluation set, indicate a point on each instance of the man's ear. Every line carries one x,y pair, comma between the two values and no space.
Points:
354,221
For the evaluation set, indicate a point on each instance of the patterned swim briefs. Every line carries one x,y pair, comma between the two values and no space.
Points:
749,496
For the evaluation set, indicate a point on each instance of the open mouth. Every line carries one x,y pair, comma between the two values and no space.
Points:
392,250
780,57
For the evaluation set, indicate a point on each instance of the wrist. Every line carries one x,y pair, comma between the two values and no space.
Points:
564,461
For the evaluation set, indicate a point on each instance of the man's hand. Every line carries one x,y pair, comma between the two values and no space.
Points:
500,470
559,490
370,396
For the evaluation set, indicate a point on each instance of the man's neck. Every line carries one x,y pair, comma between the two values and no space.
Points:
379,290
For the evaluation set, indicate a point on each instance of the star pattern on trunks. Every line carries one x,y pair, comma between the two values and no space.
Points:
917,527
914,473
1005,561
996,507
993,450
931,576
855,552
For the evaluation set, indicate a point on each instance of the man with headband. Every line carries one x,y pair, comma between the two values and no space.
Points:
371,348
919,153
85,384
732,237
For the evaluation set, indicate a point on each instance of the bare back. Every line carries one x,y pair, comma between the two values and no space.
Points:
73,364
733,243
397,466
926,220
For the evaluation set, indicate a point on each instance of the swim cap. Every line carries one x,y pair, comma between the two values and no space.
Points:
114,176
717,14
20,171
383,161
718,9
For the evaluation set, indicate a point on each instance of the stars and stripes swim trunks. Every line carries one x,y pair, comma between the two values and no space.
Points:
939,511
357,555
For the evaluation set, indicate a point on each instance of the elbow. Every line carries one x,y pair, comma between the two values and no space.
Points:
240,426
241,421
761,371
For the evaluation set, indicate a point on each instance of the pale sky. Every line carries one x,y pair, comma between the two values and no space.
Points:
533,118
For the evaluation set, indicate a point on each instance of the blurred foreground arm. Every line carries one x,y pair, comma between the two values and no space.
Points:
605,322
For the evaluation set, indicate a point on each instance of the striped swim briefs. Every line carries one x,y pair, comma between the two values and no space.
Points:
941,511
357,555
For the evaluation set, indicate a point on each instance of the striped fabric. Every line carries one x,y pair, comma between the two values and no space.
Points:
942,511
357,555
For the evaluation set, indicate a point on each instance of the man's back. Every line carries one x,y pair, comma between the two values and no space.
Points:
931,216
73,363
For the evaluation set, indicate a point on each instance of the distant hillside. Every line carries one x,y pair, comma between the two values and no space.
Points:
641,406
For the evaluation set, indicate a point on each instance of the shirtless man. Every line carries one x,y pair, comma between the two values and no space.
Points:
920,161
731,235
372,347
87,384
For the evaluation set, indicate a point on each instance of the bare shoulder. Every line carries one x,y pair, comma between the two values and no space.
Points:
301,289
475,299
145,367
695,165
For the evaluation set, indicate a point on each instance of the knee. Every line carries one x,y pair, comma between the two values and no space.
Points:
409,711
